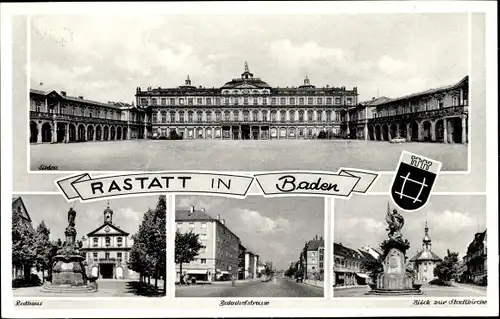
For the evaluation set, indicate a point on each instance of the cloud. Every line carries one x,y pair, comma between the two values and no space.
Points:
287,54
453,221
254,220
390,65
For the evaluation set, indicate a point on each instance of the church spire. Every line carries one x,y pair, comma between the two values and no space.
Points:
246,75
188,81
246,67
108,215
426,241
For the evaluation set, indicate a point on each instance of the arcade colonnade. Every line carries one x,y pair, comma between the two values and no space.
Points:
44,131
450,129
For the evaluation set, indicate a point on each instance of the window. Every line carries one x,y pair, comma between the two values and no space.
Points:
245,101
264,116
273,101
301,116
255,116
199,101
441,104
190,117
273,116
310,116
106,255
313,254
310,100
203,261
144,101
199,116
319,100
95,242
255,101
155,117
283,101
245,116
172,101
191,225
226,101
203,249
292,101
209,116
163,101
349,101
337,116
119,241
190,101
217,100
107,241
203,225
301,101
153,101
227,116
209,101
95,255
181,117
313,261
119,255
328,100
218,116
328,116
236,100
264,101
172,117
203,236
181,101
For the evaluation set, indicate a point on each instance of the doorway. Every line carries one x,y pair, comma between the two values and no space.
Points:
255,133
106,271
245,132
236,133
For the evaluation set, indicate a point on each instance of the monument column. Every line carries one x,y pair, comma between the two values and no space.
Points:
445,130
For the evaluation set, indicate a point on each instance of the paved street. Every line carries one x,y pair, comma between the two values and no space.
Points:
458,290
279,288
107,288
260,155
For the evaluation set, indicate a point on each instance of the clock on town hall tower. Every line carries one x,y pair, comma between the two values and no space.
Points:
108,215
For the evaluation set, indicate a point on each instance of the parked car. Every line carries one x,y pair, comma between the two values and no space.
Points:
299,277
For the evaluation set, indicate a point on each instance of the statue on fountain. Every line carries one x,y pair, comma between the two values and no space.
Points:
394,280
68,270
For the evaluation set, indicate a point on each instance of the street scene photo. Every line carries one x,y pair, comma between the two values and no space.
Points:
253,247
436,251
163,97
98,249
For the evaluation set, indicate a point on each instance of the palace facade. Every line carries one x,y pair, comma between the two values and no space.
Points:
107,250
246,108
56,117
436,115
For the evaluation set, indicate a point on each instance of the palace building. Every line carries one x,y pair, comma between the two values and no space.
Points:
436,115
425,260
56,117
476,259
246,108
107,250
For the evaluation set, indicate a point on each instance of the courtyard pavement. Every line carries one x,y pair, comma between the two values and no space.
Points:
457,290
239,155
279,288
107,288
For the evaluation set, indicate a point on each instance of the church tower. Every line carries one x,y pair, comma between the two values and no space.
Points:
108,215
426,241
425,261
188,81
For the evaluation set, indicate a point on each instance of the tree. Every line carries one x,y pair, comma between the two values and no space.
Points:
43,248
373,266
448,267
187,246
23,245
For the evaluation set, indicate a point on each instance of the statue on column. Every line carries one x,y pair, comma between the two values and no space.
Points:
71,217
395,222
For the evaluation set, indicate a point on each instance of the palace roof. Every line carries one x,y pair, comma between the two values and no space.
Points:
425,255
315,244
477,243
343,251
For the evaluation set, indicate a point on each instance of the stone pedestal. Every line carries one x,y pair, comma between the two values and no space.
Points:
68,270
394,280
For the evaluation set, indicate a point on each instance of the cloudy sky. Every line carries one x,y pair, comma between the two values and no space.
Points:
452,221
53,209
274,228
106,57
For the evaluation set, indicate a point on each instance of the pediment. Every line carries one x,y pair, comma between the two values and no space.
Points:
107,230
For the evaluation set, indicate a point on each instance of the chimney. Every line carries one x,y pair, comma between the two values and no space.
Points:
223,221
218,216
80,97
63,93
191,210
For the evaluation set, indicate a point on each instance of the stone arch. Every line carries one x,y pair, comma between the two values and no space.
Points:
33,132
371,133
105,135
414,127
439,130
90,133
209,132
125,131
385,132
113,133
72,132
403,130
426,130
274,132
98,133
282,132
46,132
378,133
393,129
119,133
199,132
81,132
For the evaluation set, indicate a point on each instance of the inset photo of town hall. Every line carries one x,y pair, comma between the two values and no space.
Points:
107,249
439,250
195,100
253,247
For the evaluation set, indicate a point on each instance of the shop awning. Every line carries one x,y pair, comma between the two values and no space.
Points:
362,275
197,271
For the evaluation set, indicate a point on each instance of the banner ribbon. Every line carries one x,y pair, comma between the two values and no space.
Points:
341,184
84,187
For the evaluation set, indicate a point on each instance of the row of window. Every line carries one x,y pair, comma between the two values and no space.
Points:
78,111
107,255
179,117
107,241
347,264
248,101
192,225
426,105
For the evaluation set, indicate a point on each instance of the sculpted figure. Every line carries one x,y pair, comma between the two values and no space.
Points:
71,217
395,222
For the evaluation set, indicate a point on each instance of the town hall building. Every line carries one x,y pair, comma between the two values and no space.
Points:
107,250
